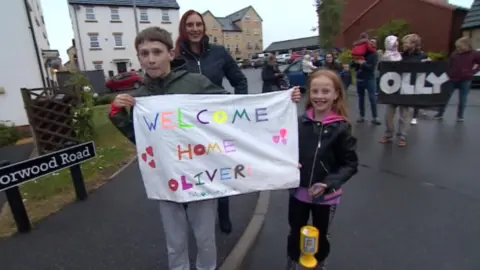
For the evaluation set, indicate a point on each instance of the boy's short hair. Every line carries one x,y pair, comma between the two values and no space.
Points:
154,33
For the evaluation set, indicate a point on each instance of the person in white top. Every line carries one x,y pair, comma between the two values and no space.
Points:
307,66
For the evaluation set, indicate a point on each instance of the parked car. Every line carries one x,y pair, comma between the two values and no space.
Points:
256,63
476,81
296,55
125,81
246,63
283,58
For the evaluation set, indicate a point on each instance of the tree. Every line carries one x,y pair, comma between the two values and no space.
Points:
329,14
397,27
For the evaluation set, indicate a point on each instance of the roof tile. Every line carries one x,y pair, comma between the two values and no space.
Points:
472,20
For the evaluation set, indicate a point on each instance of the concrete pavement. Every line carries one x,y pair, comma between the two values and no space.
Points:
408,208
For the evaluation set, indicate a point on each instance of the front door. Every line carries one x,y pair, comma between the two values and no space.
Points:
122,67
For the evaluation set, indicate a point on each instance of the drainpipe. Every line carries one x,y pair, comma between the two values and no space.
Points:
79,37
35,44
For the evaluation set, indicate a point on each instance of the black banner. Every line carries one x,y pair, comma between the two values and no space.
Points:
19,173
424,84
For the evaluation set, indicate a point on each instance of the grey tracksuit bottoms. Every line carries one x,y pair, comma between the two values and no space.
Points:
176,219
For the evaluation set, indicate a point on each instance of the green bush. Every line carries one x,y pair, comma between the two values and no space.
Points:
345,57
9,134
399,27
103,100
437,56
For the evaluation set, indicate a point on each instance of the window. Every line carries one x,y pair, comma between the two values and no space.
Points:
236,48
165,16
255,31
97,66
44,35
43,20
143,15
94,43
215,40
90,13
228,47
249,46
114,15
247,18
36,21
118,40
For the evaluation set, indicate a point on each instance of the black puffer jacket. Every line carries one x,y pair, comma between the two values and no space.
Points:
327,152
215,63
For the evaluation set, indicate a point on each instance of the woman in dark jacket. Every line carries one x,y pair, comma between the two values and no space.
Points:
214,62
464,63
271,76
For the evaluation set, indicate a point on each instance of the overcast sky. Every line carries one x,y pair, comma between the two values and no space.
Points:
282,19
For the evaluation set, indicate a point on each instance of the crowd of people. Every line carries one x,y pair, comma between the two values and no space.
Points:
327,148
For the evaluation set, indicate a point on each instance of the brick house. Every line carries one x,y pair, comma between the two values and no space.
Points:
240,32
471,24
436,21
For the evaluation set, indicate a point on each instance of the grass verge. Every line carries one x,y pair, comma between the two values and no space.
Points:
49,194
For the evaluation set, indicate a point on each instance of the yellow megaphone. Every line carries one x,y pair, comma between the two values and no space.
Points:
308,246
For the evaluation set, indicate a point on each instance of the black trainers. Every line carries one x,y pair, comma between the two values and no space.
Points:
376,122
360,120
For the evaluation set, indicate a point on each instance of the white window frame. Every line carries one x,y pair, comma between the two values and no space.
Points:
97,66
256,32
143,15
165,15
92,38
90,13
118,43
115,14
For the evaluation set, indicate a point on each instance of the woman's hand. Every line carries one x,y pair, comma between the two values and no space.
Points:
317,189
124,100
296,95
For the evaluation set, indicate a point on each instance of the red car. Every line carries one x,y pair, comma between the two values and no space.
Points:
296,55
125,81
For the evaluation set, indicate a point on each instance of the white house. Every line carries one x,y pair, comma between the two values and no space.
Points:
105,30
26,57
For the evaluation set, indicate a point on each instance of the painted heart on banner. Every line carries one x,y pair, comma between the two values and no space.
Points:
281,137
148,156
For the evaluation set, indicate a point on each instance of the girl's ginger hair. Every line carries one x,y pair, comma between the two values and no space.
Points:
463,44
340,104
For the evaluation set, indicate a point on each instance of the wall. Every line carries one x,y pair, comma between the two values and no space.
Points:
233,40
38,23
18,59
253,34
433,24
103,26
214,29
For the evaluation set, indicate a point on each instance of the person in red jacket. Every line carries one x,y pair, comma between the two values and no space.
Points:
464,63
362,47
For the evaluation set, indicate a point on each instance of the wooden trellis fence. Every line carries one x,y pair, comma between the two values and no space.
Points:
50,114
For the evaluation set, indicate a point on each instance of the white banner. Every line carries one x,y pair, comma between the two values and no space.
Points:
196,147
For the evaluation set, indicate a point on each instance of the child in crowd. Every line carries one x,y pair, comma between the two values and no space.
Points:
392,54
328,159
361,47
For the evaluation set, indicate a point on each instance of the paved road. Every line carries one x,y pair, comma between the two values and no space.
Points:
408,208
117,228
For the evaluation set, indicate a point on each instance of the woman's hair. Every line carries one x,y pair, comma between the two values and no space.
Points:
271,59
339,105
415,40
182,29
307,57
463,44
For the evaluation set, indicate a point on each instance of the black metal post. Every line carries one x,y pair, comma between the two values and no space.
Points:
77,179
15,200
